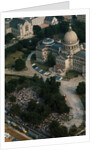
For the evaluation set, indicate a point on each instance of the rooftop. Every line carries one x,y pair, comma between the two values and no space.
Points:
80,54
15,21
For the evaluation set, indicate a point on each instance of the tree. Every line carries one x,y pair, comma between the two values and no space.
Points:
72,130
25,43
15,109
56,130
74,17
81,88
50,60
11,85
36,29
12,99
19,64
60,18
8,37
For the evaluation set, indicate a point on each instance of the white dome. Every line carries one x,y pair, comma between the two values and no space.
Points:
70,36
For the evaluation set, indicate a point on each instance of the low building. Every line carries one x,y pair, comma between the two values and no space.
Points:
38,21
81,18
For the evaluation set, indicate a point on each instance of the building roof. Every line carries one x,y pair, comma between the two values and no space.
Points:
56,46
49,18
81,54
28,19
15,21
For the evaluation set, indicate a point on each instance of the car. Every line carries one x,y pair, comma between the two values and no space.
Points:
61,78
40,70
36,68
47,73
57,78
33,65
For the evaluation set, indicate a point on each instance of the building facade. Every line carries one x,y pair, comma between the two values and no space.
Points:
21,28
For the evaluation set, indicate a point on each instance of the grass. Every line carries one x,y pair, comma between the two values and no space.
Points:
8,77
11,58
71,74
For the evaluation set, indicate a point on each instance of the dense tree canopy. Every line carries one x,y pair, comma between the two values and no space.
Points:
15,109
56,130
12,99
36,29
50,93
81,88
73,130
35,112
50,60
8,37
19,64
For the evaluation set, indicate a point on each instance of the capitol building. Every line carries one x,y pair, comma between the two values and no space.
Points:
68,54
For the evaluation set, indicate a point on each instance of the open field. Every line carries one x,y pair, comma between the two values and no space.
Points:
9,77
16,134
71,74
11,58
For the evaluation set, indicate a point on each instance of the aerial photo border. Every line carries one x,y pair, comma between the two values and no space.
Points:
2,79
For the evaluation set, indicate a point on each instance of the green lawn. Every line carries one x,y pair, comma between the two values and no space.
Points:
9,77
71,74
11,58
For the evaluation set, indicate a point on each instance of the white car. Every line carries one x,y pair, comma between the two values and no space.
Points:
33,65
61,78
46,73
40,70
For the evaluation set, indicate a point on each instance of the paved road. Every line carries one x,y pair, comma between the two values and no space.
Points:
10,44
68,88
29,72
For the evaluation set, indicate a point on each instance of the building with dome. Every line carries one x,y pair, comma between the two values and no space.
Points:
69,55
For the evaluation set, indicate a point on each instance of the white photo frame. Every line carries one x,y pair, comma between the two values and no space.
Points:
30,143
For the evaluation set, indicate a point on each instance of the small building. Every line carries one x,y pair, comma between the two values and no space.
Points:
81,18
38,21
51,20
